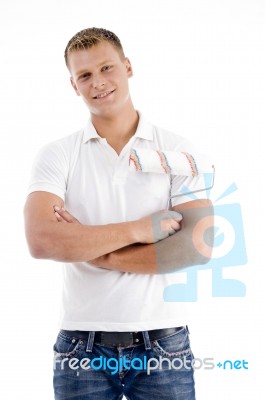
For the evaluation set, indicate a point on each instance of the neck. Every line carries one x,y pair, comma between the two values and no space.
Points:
118,128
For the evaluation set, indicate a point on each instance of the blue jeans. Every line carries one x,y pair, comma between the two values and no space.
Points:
160,369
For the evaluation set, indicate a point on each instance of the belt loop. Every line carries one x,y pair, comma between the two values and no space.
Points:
147,342
187,328
90,341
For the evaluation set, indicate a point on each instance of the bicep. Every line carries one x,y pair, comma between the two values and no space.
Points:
198,224
195,209
198,217
39,213
39,207
187,205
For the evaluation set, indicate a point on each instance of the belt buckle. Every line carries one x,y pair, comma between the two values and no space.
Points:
122,339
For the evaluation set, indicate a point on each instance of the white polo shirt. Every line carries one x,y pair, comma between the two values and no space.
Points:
98,188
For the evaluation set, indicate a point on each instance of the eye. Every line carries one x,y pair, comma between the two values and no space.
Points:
106,67
85,76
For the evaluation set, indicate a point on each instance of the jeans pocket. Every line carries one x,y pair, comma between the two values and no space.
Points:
176,345
66,346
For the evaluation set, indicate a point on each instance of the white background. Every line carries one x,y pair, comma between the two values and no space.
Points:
198,70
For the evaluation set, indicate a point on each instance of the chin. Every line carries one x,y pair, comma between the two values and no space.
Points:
106,111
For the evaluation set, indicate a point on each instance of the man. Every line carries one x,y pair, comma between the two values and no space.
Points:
116,237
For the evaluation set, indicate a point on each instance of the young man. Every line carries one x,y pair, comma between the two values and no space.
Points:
117,239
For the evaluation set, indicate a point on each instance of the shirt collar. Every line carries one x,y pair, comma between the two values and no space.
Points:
90,132
144,130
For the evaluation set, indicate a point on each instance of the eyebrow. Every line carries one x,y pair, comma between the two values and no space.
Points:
104,62
82,71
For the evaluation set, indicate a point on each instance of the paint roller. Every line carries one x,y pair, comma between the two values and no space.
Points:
172,163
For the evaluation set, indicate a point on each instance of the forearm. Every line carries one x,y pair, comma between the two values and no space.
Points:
192,245
61,237
136,258
165,256
76,242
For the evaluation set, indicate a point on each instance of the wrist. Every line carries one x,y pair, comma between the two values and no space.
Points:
101,261
132,229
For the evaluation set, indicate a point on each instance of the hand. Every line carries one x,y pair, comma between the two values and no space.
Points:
64,216
157,226
151,229
101,261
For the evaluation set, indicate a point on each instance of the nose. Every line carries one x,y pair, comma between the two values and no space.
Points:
98,81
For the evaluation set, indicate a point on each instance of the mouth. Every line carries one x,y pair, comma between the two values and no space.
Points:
103,95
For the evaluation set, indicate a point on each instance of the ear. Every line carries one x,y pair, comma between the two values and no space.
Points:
74,86
128,66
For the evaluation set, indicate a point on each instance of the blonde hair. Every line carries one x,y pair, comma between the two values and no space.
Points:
91,37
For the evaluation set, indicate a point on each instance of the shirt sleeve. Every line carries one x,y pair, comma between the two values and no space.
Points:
50,170
188,188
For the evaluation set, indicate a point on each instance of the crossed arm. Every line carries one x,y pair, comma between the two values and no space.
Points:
191,245
139,246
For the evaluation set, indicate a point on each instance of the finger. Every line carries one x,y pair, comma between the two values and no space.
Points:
59,218
167,224
176,226
175,215
65,215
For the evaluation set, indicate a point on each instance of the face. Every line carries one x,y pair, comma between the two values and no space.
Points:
100,76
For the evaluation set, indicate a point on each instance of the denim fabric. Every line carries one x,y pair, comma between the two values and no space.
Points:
80,374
